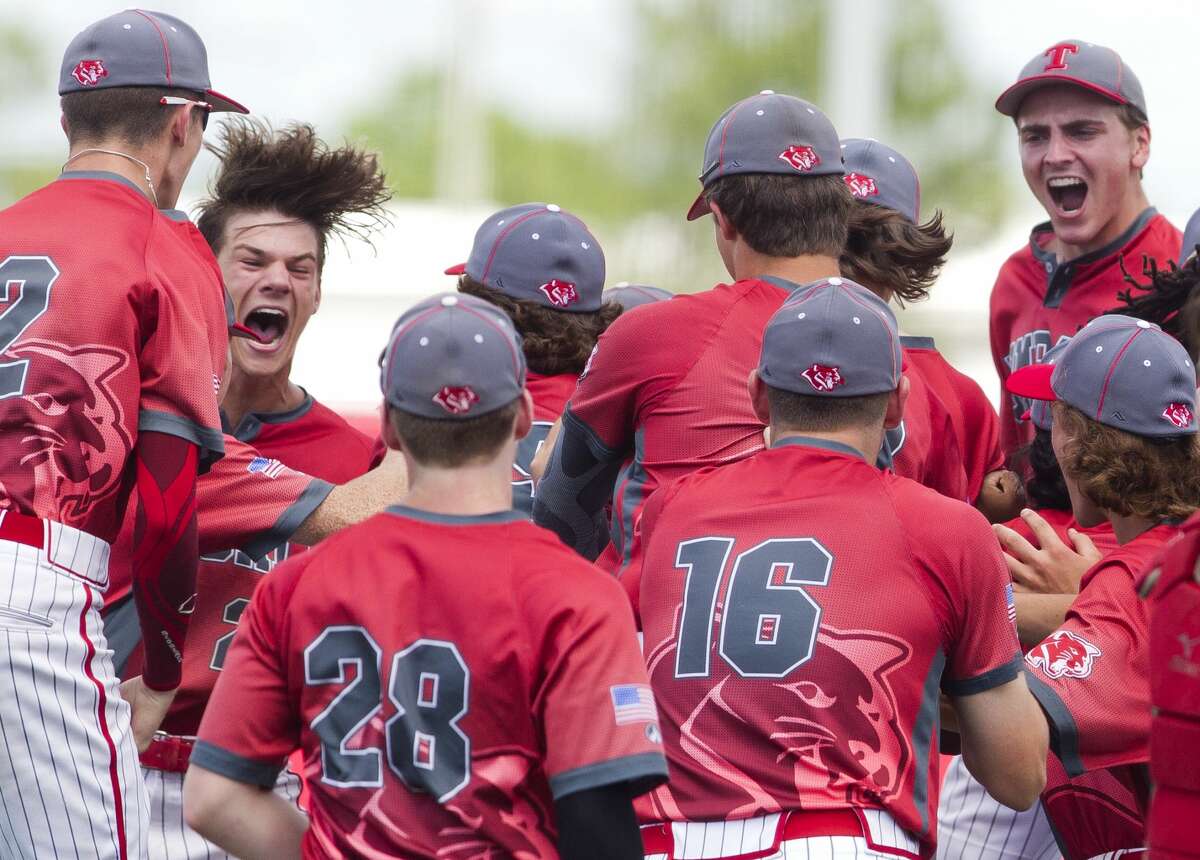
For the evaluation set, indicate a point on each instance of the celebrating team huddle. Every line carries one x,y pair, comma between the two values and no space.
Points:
741,573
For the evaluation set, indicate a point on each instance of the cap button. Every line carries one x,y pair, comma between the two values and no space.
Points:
766,92
553,207
837,282
1143,324
449,301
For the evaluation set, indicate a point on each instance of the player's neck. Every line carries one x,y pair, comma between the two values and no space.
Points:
1127,528
132,164
479,488
865,441
748,263
261,394
1134,204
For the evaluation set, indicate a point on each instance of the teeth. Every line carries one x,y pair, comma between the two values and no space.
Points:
1064,181
271,311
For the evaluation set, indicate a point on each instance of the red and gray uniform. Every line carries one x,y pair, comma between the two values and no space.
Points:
778,688
550,395
311,438
1172,597
1091,678
110,327
448,730
976,425
1038,300
1101,534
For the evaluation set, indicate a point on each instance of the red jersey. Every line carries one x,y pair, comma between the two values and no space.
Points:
550,395
976,425
1102,534
1096,812
1091,679
111,324
1172,592
1038,300
451,738
779,686
310,437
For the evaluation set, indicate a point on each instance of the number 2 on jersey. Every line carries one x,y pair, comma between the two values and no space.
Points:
24,294
768,624
429,690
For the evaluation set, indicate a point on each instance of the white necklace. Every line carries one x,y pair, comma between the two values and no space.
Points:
139,162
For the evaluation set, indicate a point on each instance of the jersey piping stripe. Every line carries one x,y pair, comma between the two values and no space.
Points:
102,705
922,736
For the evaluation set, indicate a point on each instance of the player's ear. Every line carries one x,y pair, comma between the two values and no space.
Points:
724,226
895,404
758,397
62,120
1141,147
390,437
524,421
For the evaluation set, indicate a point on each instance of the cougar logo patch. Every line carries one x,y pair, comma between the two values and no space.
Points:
1179,415
456,399
861,186
1064,655
823,378
89,72
560,293
803,158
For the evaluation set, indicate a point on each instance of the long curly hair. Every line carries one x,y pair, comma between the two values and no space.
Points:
887,251
1157,479
339,192
1168,297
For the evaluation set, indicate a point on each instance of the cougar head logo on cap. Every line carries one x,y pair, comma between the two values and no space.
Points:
823,378
89,72
456,399
803,158
1179,415
560,293
861,186
1064,655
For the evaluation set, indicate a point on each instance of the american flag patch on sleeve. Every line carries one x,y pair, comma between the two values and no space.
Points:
1012,603
263,466
633,703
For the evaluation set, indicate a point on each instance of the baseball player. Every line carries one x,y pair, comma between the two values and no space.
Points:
89,409
1124,431
798,718
772,180
545,269
277,199
1172,595
1084,139
949,439
451,737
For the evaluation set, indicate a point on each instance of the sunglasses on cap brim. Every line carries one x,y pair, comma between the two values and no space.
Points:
205,107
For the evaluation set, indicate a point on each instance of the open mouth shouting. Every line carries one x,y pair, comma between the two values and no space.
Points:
1068,194
270,325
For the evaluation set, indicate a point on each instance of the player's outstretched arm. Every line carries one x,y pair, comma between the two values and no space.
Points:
598,824
1039,615
355,500
164,570
579,479
248,821
1005,740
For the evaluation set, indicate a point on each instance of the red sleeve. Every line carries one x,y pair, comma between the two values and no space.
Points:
594,706
982,451
1090,676
254,686
183,350
628,368
999,337
253,503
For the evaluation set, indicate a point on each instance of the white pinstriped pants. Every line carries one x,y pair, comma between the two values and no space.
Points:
69,779
817,848
973,826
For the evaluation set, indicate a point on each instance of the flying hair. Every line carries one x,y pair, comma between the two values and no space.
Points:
1167,298
338,192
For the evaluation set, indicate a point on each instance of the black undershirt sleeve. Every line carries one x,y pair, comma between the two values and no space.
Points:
598,824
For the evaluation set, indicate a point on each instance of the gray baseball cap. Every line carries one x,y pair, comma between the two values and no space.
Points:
1191,238
768,133
136,48
876,173
630,296
1123,372
1039,412
1093,67
832,338
452,357
538,252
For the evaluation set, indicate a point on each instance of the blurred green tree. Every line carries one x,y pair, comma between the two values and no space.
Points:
21,58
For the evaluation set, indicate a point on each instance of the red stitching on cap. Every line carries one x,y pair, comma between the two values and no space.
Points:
724,131
1117,97
166,47
1112,369
503,235
1120,68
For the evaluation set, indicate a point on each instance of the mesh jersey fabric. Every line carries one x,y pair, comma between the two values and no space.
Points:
796,654
311,437
1037,301
113,325
550,395
542,701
